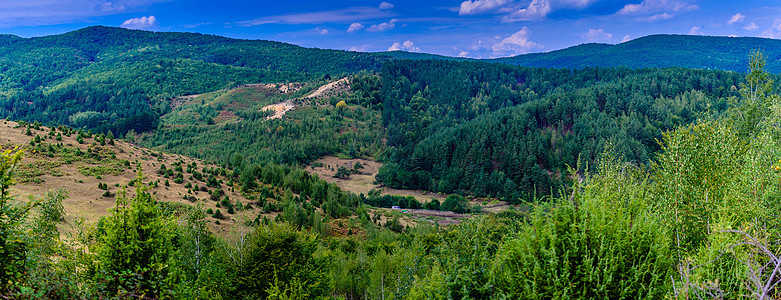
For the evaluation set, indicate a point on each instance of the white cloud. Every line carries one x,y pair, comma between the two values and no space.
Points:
481,6
111,7
626,39
480,45
696,30
355,27
597,36
463,53
656,6
517,43
351,14
15,13
383,26
386,5
140,23
656,10
657,17
774,32
407,45
751,26
520,10
323,31
537,9
738,17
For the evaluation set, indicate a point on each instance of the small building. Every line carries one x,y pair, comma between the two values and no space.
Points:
395,207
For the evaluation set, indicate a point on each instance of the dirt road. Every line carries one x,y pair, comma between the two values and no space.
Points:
283,107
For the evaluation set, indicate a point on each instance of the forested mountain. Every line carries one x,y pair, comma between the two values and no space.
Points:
121,79
658,51
113,79
506,131
501,131
700,220
625,182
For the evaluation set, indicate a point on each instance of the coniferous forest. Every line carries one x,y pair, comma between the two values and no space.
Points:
615,182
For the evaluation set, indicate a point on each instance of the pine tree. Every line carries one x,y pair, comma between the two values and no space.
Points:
134,253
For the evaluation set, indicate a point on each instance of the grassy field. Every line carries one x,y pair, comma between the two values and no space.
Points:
115,166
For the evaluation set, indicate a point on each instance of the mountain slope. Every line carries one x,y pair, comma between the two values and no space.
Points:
59,161
124,78
655,51
118,80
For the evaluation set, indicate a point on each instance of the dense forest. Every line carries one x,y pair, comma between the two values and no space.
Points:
494,130
112,79
124,82
699,220
659,51
232,129
623,182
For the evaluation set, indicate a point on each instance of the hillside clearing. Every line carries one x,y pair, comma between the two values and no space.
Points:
327,89
40,173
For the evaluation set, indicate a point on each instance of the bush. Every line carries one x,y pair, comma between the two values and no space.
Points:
280,253
12,249
455,203
135,248
433,205
599,244
343,172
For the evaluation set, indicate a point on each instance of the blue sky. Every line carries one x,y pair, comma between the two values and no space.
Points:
472,28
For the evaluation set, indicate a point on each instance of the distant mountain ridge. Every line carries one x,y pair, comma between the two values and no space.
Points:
115,79
653,51
658,51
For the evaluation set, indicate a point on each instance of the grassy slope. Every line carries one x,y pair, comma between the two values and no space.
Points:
39,173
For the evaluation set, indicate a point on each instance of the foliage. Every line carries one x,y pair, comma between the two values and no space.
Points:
135,251
12,247
694,215
307,133
755,97
455,203
49,275
598,242
508,132
82,79
716,184
387,201
279,253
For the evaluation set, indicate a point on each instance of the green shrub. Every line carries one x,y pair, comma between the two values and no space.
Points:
602,242
279,253
455,203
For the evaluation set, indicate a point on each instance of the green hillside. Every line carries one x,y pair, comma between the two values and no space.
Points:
123,78
114,79
657,51
493,130
630,180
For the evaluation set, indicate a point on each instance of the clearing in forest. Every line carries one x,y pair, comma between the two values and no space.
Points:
328,89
